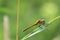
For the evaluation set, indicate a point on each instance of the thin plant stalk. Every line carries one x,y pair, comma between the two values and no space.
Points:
17,22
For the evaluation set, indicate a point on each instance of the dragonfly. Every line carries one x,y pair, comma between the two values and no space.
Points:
38,22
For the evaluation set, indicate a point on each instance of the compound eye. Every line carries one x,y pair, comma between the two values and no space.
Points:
43,22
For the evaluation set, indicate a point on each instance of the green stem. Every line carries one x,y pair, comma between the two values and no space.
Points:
40,29
51,21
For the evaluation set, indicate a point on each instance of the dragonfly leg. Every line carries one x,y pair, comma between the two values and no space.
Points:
40,26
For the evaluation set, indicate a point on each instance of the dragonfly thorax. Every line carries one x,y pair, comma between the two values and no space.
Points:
40,22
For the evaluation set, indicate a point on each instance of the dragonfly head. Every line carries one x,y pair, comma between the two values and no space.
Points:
42,21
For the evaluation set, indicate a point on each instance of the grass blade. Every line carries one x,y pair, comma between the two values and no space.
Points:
38,30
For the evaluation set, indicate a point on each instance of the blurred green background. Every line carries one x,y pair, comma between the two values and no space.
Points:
30,11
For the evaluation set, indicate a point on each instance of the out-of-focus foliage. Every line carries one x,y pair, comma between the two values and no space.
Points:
30,11
8,7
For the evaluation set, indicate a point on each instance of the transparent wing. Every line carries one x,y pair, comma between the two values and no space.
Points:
34,32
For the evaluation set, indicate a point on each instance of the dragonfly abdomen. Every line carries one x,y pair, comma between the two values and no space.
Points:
28,28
